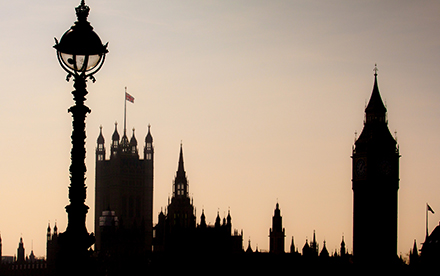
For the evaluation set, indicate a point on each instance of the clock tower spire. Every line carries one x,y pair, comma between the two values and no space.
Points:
375,185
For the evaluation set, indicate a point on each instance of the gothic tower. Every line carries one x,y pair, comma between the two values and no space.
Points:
375,184
277,233
180,209
124,184
20,251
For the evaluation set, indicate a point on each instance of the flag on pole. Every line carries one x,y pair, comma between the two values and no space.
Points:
129,97
429,208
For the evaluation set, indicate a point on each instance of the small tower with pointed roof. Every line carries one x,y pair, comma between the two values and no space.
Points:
292,246
375,185
20,252
343,250
100,148
115,141
180,208
324,252
277,233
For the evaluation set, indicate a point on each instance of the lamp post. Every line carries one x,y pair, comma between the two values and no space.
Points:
81,54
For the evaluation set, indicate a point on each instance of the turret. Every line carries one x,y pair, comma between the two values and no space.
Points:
292,246
181,182
217,220
148,150
20,251
48,235
100,148
203,220
133,144
343,250
115,141
324,252
55,230
125,144
277,232
229,222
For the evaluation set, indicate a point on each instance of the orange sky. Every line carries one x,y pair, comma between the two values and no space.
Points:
265,96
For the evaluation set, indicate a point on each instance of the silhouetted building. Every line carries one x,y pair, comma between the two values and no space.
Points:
177,231
430,251
52,246
375,186
414,255
277,233
324,252
292,246
124,185
343,250
20,252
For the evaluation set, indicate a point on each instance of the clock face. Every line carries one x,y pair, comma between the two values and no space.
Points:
385,167
360,167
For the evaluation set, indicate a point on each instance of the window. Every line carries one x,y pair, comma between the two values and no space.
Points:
180,189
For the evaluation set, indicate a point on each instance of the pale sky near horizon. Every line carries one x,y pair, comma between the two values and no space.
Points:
266,97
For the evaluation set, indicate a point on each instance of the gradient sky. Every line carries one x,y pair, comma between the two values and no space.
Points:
266,97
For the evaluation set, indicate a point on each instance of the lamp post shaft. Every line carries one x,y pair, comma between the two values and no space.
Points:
75,241
77,209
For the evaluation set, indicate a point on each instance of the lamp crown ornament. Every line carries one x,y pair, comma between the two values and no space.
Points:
82,11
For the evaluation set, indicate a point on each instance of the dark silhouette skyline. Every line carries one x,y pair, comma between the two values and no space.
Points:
272,79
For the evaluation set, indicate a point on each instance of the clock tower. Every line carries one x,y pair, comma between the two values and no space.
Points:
375,184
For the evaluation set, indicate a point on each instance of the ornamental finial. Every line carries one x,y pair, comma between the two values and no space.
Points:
82,11
375,69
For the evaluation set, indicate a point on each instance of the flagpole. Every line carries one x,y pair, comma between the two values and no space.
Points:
125,110
426,220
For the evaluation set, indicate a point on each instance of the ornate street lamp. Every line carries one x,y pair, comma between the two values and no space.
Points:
81,54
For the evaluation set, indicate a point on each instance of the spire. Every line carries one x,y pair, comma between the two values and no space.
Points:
181,182
249,249
375,131
324,252
181,169
125,145
133,143
306,248
217,220
148,149
100,149
100,139
115,136
375,110
203,219
292,246
48,231
343,250
149,138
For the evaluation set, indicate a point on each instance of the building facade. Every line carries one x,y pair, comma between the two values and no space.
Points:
124,185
